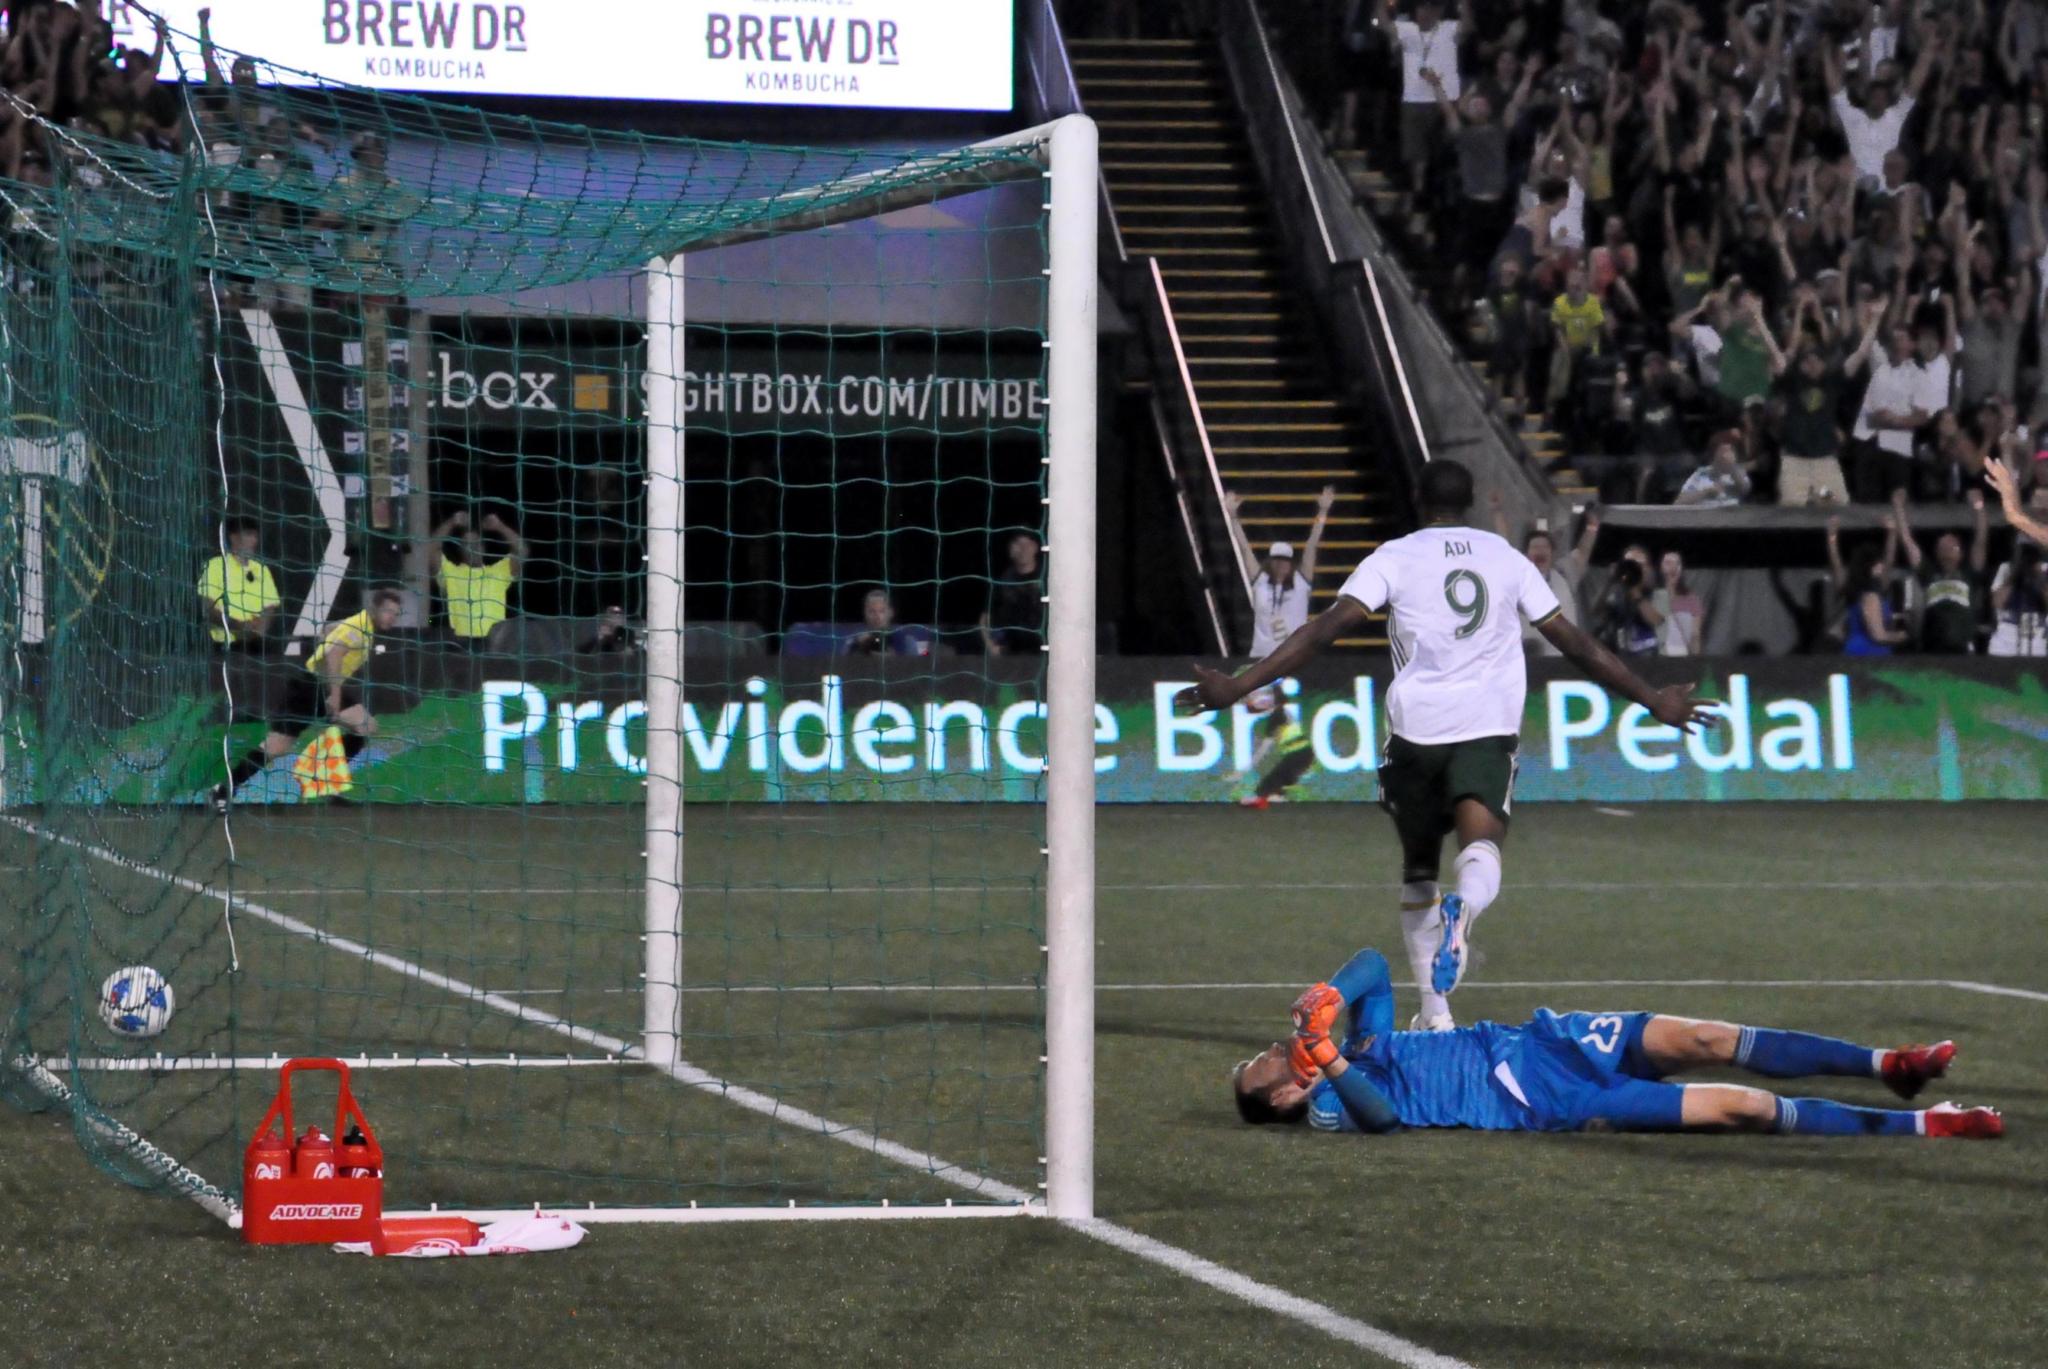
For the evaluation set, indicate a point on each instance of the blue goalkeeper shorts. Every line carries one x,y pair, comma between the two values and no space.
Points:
1583,1069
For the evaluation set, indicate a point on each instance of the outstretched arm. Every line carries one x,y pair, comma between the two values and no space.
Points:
1916,79
2007,487
1452,119
1324,501
206,51
1582,554
1214,689
1837,571
1873,317
1759,325
1246,557
1675,705
142,80
1908,543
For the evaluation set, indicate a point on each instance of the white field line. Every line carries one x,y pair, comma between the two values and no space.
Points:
1973,986
1616,812
1325,1319
693,1215
1294,985
851,890
149,1155
180,1064
174,1064
1314,1314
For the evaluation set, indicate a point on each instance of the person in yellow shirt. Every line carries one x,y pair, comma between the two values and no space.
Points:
1581,325
476,589
326,691
237,594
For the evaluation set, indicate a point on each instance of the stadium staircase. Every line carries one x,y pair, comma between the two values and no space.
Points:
1415,238
1185,190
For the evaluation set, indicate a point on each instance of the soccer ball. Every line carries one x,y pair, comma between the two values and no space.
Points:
136,1001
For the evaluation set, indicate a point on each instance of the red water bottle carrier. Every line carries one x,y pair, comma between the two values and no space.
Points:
282,1204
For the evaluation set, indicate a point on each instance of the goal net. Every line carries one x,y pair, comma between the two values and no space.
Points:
624,587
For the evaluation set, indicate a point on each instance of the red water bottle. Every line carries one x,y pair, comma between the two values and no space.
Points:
269,1156
353,1156
313,1157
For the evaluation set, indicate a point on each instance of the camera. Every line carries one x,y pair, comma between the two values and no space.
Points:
1628,572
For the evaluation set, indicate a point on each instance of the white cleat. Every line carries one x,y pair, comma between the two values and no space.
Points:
1441,1022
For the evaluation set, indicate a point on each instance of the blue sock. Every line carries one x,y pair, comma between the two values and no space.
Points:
1822,1117
1794,1055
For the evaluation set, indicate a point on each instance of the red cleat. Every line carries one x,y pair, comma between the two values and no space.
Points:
1962,1124
1253,801
1906,1070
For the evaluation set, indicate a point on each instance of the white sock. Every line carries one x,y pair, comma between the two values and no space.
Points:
1477,874
1422,930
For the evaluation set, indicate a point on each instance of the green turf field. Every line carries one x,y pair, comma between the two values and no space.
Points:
1493,1250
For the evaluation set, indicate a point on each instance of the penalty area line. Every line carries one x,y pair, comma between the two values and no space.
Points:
1186,1263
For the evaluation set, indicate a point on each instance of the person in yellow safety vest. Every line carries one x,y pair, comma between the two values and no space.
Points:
237,593
327,692
476,589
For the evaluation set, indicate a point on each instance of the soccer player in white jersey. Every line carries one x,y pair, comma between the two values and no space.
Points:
1456,597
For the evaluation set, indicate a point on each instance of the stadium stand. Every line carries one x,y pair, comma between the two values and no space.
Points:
1187,192
1733,183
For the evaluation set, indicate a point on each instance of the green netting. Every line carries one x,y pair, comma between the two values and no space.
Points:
375,327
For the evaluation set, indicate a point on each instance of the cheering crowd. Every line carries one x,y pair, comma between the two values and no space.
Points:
1780,252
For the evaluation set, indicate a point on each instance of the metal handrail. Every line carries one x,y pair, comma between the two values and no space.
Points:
1219,634
1194,406
1379,308
1193,467
1308,182
1069,103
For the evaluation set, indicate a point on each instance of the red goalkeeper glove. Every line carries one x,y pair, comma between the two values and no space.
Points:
1315,1012
1310,1056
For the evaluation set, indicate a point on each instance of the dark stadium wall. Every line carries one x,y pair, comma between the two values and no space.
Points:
820,461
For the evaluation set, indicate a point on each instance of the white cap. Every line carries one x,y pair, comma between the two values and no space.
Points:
1283,549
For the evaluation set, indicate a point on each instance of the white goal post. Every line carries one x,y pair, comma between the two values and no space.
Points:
1066,151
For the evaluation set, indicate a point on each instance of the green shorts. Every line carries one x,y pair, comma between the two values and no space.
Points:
1420,787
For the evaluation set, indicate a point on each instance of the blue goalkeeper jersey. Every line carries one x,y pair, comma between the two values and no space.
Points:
1432,1079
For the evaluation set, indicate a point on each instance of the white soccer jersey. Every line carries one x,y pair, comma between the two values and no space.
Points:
1277,610
1456,599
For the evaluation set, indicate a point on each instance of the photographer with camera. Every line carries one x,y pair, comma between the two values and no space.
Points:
1627,620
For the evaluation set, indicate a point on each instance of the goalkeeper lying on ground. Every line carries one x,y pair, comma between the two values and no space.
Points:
1569,1071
